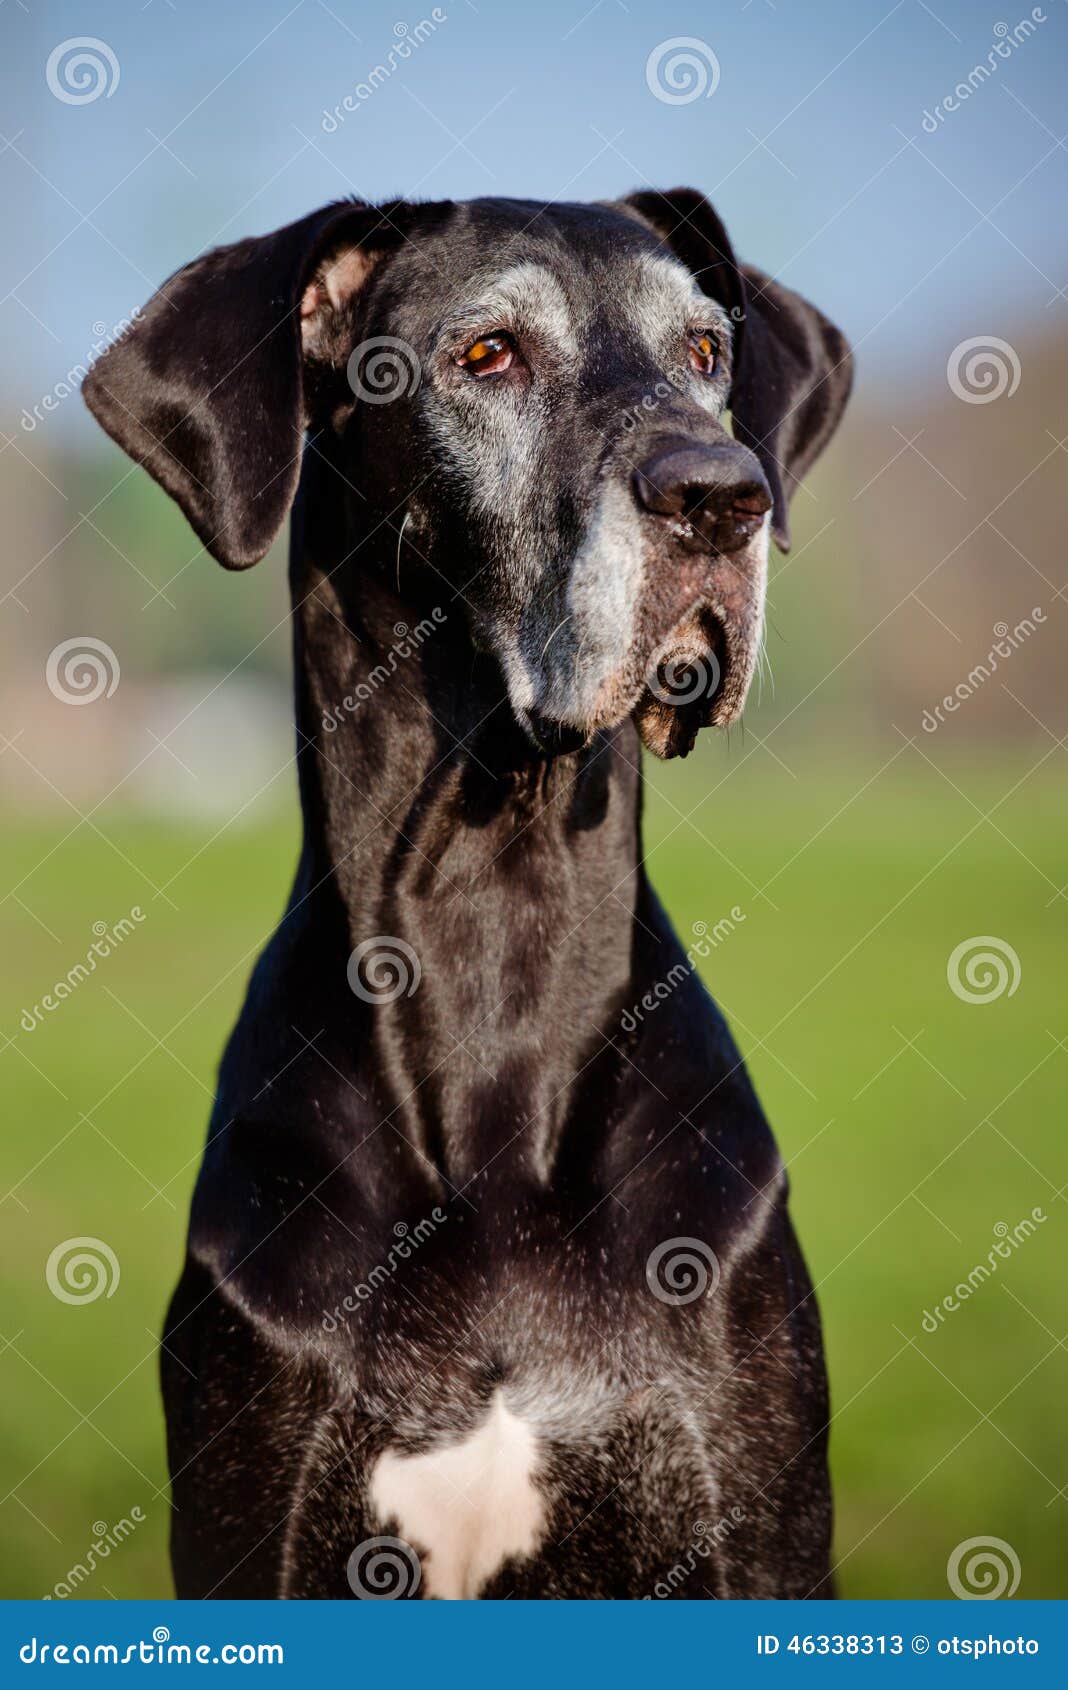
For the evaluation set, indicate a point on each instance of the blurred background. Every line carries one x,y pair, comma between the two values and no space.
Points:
904,166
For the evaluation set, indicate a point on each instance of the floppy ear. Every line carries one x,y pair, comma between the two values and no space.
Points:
206,387
792,368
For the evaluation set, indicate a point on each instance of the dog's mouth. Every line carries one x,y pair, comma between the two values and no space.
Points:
553,738
693,680
689,685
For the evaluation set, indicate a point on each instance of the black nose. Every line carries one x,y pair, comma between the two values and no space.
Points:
717,494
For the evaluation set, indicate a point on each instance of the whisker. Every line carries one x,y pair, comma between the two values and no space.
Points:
555,631
400,536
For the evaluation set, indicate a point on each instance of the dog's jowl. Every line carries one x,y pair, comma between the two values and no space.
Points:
491,1288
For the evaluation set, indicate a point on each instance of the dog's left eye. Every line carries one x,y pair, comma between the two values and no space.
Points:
490,355
704,352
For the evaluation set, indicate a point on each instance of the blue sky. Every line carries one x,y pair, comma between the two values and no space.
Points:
812,146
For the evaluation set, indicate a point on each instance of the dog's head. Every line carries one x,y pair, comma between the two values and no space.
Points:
534,399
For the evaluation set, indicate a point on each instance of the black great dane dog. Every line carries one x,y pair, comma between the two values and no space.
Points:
491,1288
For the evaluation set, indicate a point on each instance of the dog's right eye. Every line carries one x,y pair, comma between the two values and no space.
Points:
704,352
490,355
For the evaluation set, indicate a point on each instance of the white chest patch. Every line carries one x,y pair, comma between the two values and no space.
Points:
467,1508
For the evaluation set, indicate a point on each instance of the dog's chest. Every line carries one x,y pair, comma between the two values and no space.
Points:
466,1507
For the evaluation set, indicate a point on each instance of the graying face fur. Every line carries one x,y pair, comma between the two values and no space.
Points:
594,605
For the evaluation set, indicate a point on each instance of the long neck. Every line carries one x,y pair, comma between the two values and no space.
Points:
500,886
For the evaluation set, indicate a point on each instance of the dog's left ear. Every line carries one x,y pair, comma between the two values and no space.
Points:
207,387
792,368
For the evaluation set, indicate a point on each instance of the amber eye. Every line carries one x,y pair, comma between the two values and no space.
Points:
704,351
490,355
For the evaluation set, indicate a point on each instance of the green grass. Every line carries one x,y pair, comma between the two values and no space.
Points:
914,1124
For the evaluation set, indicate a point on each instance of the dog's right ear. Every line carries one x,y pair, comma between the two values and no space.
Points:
206,387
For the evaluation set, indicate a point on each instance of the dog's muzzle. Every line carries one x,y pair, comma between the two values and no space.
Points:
696,512
713,501
713,497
